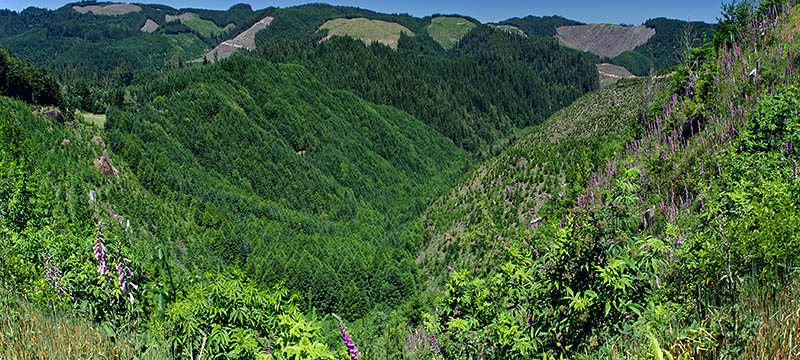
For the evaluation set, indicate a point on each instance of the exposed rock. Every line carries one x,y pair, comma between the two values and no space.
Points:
66,143
55,115
99,141
104,165
534,223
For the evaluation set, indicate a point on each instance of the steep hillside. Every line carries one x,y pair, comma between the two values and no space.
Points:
19,79
448,30
107,36
288,177
366,30
245,40
547,164
637,226
492,83
667,47
202,26
604,40
106,254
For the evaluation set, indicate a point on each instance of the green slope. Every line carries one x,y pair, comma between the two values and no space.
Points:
366,30
294,180
634,225
448,30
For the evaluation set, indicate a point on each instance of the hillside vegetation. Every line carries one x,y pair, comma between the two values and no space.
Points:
339,200
544,26
638,229
366,30
448,30
492,83
668,47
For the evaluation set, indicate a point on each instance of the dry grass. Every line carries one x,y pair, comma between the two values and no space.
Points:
778,333
366,30
98,120
112,9
27,332
764,324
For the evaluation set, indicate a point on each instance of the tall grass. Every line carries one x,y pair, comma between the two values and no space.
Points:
28,332
763,324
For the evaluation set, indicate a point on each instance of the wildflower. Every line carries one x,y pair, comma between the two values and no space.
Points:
53,275
794,170
126,284
348,343
436,346
100,254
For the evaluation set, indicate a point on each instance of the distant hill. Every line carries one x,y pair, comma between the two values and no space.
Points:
106,36
610,73
655,44
662,50
448,30
366,30
544,26
245,40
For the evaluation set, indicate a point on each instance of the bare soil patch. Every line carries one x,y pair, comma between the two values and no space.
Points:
245,40
610,74
112,9
604,40
149,26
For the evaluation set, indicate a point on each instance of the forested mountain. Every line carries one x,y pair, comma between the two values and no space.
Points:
75,36
491,83
544,26
256,148
667,48
469,194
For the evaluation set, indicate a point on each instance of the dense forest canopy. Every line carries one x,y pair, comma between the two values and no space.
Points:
544,26
491,83
258,148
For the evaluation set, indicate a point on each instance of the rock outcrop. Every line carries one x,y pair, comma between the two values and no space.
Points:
104,165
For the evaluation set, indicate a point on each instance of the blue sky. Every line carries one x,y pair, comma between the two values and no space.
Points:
589,11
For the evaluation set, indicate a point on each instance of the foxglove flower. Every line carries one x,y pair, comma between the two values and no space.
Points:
53,276
435,347
348,343
100,253
126,284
